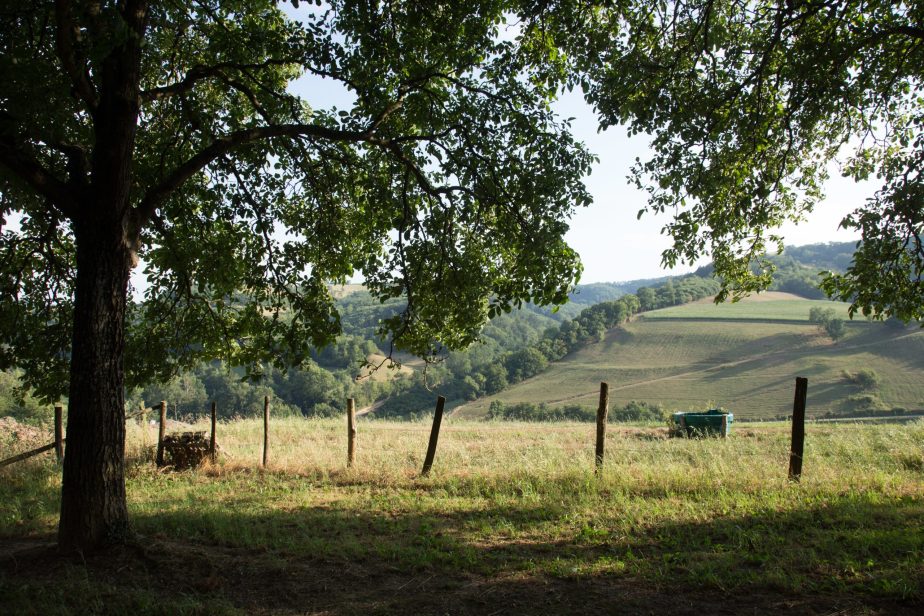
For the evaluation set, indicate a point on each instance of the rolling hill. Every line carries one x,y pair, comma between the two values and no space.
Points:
742,356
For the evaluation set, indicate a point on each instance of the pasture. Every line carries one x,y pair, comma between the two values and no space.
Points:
747,365
511,520
770,306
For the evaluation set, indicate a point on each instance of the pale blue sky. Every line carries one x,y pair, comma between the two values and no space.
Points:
614,245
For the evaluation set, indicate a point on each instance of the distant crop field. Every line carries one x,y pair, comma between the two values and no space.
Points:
748,367
512,515
343,290
784,309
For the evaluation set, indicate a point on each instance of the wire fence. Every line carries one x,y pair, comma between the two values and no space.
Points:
792,455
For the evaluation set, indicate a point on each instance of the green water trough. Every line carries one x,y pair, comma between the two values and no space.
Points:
714,422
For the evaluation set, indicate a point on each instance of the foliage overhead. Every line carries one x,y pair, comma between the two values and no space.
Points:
448,181
749,105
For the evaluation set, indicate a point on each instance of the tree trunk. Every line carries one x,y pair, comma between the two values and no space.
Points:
93,509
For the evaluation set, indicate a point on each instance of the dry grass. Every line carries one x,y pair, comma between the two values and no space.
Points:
838,457
516,502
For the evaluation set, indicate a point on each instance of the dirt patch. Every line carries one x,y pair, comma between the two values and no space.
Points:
257,582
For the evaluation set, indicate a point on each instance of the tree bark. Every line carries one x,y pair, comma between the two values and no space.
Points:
106,234
93,509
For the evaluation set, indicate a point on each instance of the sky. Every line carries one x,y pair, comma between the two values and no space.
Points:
614,244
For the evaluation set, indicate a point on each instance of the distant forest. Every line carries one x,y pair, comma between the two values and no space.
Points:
514,347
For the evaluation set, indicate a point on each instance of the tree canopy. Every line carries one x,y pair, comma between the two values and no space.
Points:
166,136
448,182
749,104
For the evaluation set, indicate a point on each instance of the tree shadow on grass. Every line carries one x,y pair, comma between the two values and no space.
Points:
850,553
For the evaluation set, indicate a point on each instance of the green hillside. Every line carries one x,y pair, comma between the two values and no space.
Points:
700,355
767,306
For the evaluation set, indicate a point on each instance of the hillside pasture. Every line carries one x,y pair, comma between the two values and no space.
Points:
511,519
769,306
746,366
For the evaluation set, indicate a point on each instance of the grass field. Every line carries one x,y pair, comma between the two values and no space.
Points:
770,306
512,520
746,366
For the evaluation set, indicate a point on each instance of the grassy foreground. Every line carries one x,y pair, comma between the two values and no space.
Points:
512,518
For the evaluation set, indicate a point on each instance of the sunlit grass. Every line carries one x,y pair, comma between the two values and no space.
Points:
787,309
523,498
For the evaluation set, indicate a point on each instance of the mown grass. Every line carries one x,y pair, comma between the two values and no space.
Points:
517,499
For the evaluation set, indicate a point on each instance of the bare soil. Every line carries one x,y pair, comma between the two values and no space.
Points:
264,583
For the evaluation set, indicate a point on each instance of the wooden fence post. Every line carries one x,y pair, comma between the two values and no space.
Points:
143,413
798,429
351,432
212,437
59,432
434,436
602,411
265,430
161,433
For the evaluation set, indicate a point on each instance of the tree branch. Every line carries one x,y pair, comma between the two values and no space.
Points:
200,72
64,39
909,31
157,194
36,176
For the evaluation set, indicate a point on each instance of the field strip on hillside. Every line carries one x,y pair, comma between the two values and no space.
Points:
726,364
770,310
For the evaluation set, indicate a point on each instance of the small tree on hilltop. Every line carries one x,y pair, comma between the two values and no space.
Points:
820,316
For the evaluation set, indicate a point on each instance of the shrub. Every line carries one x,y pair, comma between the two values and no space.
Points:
820,316
526,411
827,322
864,380
836,328
639,411
864,402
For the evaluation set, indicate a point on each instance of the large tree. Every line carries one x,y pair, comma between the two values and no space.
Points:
749,103
166,134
